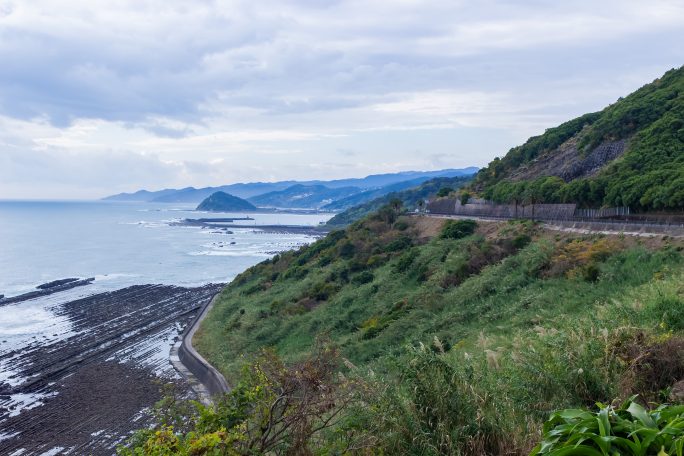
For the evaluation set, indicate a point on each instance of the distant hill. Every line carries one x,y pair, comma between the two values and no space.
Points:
224,202
410,198
140,195
252,189
368,195
629,154
303,196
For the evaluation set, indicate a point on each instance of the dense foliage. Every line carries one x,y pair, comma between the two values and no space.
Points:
272,409
629,430
457,229
649,176
412,199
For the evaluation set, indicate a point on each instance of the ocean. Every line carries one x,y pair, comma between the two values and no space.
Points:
122,244
119,245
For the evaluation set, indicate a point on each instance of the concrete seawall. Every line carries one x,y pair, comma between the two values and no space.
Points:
206,380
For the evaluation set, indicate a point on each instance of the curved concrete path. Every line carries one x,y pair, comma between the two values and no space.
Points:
204,378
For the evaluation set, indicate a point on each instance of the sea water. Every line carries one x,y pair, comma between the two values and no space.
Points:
119,244
122,244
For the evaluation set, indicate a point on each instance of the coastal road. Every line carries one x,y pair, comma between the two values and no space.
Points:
586,226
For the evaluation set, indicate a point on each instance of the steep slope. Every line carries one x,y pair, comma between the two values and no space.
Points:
303,196
410,198
629,154
463,342
224,202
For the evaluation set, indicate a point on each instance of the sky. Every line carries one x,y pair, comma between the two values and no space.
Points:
101,97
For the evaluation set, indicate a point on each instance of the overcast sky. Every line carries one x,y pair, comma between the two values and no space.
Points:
98,97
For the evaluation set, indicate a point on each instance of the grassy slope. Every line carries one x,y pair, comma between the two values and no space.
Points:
387,294
649,176
466,346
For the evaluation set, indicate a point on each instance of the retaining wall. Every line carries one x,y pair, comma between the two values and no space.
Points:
539,211
214,382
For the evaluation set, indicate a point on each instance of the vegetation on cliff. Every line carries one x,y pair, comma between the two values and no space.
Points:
447,338
417,335
649,175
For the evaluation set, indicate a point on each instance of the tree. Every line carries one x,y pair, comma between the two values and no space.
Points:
444,191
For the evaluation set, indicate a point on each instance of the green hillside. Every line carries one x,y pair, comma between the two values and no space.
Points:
464,343
418,335
410,199
225,202
647,176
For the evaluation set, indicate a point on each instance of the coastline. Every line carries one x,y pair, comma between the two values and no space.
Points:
202,377
205,223
90,387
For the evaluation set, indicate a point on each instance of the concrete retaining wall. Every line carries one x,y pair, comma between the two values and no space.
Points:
486,209
213,381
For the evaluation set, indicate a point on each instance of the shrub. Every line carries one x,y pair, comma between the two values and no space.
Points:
457,229
444,191
404,262
347,250
401,243
654,365
362,278
401,225
521,241
671,309
275,409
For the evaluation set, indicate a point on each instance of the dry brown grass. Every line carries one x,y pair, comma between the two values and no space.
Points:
653,366
426,227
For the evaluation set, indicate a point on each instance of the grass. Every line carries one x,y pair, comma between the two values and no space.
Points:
454,289
469,344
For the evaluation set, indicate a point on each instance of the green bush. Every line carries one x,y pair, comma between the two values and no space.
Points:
362,278
444,191
671,308
398,244
347,250
457,229
404,262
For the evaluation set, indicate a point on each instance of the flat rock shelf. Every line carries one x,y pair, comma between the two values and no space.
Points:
84,393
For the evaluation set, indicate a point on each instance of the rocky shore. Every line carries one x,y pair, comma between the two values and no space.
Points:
226,224
85,392
46,289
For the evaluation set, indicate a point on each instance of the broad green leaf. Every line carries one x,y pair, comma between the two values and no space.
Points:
581,450
641,414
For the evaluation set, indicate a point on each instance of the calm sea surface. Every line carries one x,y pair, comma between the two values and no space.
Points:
122,244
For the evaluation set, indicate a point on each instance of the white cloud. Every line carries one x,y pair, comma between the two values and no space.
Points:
275,89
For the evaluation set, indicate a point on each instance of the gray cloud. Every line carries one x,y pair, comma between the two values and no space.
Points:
210,82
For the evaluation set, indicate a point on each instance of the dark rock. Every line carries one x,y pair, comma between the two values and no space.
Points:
55,283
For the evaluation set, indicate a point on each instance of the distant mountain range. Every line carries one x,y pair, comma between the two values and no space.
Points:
332,195
301,196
